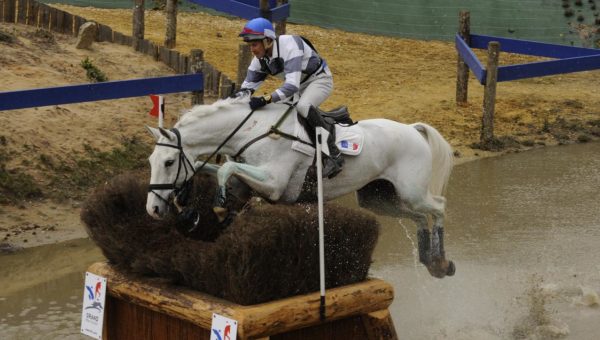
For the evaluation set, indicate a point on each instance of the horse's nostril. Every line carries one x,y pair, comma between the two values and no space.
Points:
156,209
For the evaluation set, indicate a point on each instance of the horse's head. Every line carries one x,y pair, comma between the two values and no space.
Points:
170,170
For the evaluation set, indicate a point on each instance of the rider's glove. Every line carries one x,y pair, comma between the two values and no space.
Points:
242,92
258,102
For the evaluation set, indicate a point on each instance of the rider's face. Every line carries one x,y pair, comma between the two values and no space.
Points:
257,48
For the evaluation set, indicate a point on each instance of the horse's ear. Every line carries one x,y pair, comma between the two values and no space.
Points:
167,134
154,132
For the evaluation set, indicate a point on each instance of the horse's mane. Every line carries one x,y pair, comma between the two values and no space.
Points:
208,109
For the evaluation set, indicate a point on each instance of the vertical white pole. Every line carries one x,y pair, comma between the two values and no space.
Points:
321,226
161,108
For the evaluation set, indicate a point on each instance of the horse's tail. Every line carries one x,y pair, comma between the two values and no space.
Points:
442,157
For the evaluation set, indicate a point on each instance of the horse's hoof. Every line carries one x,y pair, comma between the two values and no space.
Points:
221,213
451,269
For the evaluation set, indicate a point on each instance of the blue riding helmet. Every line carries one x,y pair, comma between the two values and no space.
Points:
258,29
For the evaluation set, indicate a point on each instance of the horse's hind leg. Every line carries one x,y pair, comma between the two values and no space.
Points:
438,266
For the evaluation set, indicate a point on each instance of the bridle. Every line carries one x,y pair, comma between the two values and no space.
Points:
183,190
183,160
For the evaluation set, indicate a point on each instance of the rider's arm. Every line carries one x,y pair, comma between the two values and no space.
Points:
254,77
292,52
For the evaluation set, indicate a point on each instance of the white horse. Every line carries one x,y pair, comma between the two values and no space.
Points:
402,170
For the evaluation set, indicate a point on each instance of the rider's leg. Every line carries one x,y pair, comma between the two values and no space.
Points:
312,94
332,162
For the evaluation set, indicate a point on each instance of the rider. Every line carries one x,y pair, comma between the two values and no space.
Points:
306,75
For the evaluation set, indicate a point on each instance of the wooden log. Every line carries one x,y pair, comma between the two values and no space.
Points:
280,25
69,24
365,298
8,10
153,50
43,16
32,11
174,60
59,22
264,9
78,21
225,88
379,325
196,66
216,81
163,55
183,64
138,24
105,33
171,24
21,12
53,16
462,72
489,95
244,59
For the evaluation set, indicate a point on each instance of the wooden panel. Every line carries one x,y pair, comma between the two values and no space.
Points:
125,321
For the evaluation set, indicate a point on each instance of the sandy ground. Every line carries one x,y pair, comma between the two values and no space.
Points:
400,79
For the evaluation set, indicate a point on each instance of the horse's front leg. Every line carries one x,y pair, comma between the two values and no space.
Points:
257,178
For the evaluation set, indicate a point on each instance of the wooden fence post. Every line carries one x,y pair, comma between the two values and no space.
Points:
489,96
462,72
226,87
280,25
196,64
244,59
264,9
138,24
171,25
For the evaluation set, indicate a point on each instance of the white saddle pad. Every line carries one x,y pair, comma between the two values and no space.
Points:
348,139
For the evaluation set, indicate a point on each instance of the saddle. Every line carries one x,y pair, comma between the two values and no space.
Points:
339,115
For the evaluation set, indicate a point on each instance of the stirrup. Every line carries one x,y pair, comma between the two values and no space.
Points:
332,166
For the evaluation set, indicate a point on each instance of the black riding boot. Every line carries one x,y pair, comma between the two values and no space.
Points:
332,164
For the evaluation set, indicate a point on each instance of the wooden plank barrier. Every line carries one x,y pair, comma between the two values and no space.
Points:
152,308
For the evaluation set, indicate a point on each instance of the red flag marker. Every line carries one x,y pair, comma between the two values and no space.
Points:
158,105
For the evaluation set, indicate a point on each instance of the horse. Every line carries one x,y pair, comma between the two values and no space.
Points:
402,170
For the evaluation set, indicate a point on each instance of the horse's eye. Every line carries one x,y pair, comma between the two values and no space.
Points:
169,163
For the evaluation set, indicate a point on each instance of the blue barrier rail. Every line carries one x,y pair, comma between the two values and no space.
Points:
570,59
247,9
100,91
470,59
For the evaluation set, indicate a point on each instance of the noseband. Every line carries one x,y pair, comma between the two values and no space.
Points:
183,160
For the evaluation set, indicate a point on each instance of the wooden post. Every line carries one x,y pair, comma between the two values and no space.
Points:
138,24
196,63
171,30
489,96
225,89
462,72
280,25
244,59
9,8
264,9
